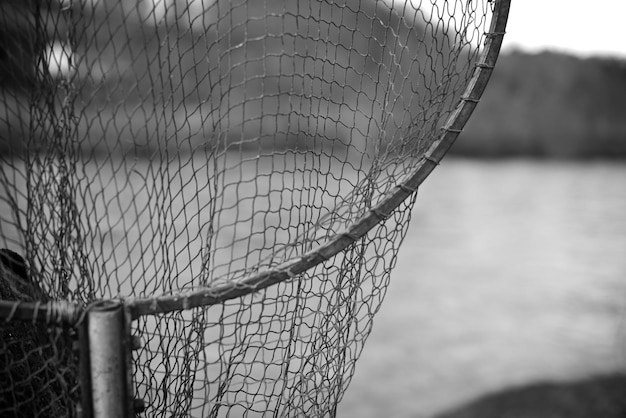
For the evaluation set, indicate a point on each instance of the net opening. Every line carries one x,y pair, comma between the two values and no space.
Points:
239,174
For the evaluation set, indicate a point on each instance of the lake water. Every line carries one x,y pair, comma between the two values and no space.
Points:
512,271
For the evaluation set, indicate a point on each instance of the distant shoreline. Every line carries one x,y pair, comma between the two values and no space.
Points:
537,105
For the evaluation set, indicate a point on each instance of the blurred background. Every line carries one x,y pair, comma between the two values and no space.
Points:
513,271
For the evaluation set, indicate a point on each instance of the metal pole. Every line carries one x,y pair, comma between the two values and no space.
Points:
109,345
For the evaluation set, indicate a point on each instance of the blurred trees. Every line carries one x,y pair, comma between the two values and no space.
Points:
550,105
17,46
287,78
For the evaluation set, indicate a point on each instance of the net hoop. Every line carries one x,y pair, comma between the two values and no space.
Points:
340,241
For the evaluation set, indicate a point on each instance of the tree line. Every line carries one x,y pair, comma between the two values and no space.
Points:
550,105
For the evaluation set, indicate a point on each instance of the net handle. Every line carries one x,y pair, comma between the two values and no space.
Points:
450,131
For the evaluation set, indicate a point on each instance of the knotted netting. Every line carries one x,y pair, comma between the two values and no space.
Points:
239,173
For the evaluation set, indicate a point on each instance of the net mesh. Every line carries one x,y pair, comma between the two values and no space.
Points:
38,367
218,166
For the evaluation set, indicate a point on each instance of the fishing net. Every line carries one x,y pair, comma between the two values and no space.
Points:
240,174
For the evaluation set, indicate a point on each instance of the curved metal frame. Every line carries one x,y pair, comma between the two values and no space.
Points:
214,295
339,242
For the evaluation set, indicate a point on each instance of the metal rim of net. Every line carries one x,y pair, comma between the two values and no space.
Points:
340,241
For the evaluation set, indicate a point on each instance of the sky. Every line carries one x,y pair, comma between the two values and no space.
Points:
580,27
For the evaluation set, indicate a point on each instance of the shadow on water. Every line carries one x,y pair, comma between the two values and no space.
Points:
601,396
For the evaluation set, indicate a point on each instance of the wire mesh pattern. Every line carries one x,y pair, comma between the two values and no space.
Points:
240,173
39,373
39,369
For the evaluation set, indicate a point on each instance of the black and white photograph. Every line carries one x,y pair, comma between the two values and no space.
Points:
312,208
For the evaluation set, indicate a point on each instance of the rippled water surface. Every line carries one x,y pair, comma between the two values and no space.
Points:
512,271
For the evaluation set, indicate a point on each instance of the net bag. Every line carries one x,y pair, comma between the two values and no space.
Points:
238,174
